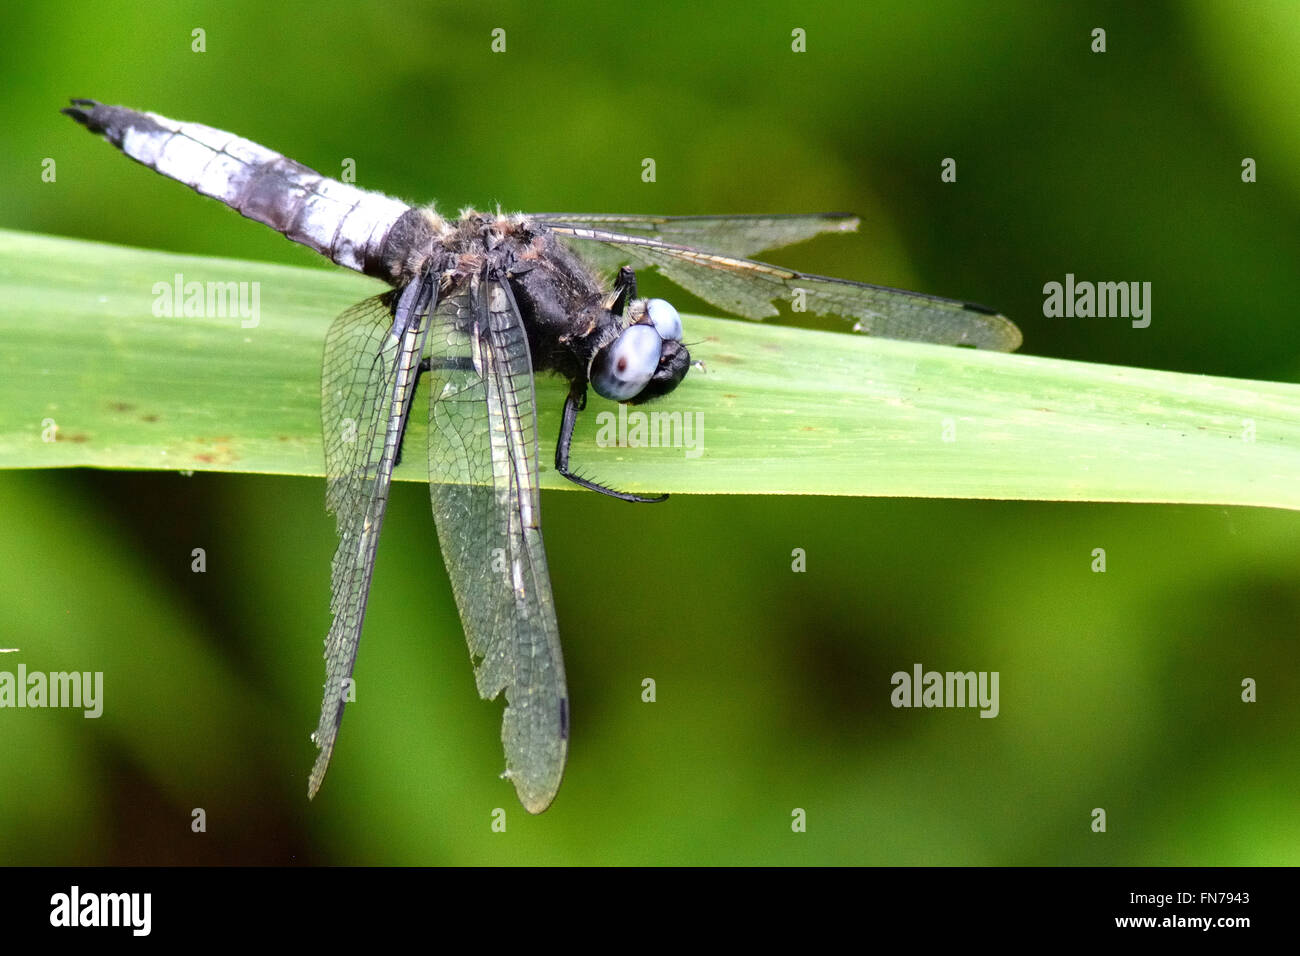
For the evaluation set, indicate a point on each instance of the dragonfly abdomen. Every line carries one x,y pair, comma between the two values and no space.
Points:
346,224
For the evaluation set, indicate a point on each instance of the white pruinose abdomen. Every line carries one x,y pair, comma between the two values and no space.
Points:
343,223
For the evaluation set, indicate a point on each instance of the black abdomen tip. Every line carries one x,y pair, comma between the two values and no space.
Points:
83,116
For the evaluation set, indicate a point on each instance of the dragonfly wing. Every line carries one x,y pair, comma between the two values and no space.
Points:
483,481
748,288
371,360
730,235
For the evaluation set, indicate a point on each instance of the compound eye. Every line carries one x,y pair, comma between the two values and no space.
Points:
665,318
620,370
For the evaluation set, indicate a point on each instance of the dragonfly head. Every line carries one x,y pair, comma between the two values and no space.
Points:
646,359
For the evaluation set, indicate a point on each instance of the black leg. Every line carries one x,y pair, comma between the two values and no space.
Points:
573,404
626,286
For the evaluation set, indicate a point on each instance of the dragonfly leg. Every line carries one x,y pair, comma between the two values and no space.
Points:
626,286
573,404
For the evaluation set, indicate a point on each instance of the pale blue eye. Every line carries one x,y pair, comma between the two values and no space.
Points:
665,318
620,370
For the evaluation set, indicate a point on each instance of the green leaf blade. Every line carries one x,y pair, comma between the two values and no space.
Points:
775,410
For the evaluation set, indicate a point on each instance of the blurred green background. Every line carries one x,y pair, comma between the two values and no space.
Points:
1118,690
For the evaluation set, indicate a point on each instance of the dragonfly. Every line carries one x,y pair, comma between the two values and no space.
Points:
478,305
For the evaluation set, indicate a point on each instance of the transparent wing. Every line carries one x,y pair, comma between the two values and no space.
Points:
367,382
729,235
748,288
483,474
